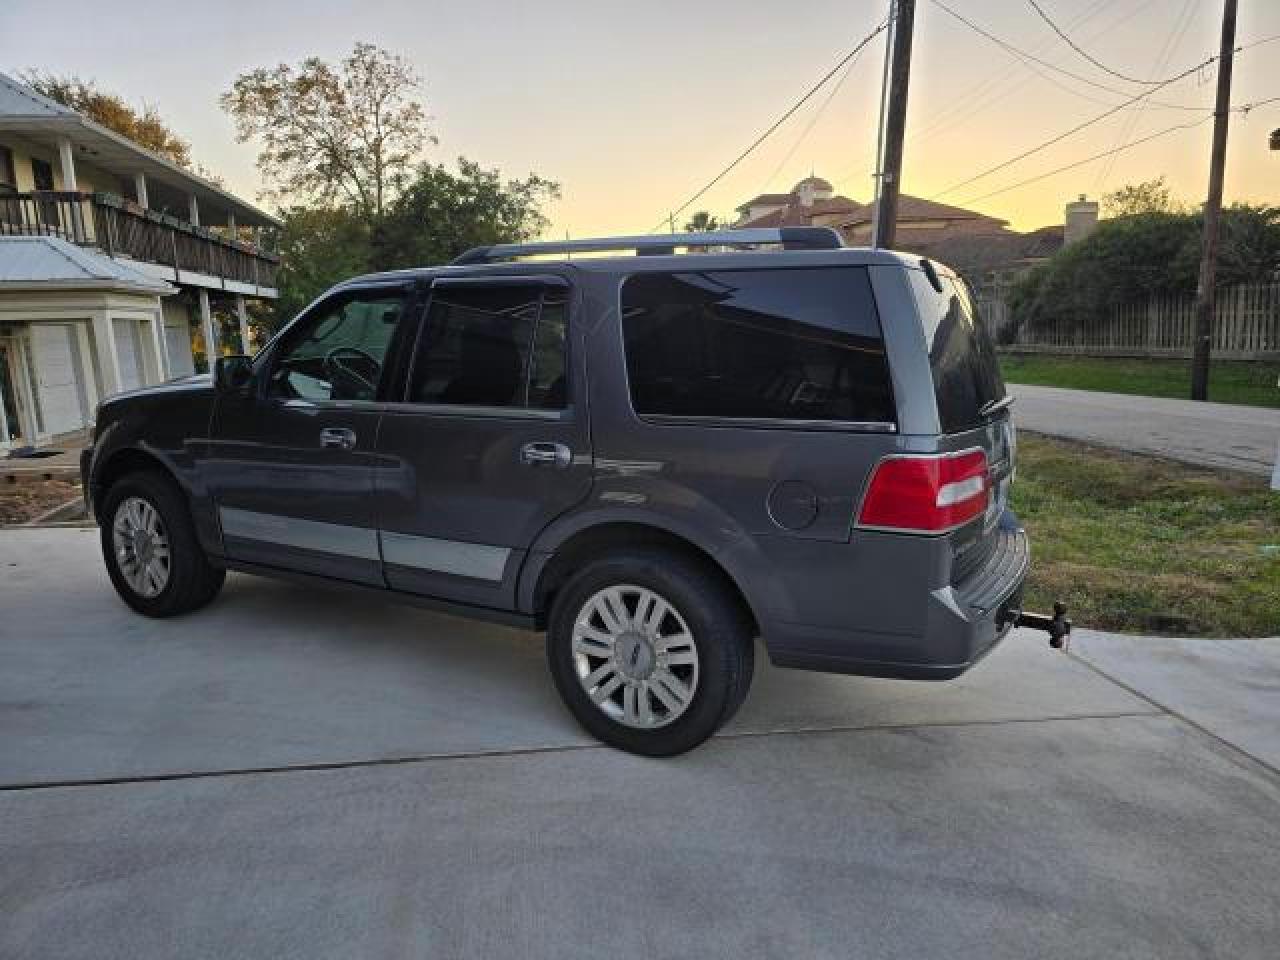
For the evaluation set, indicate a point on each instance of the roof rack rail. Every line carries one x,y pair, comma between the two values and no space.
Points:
791,238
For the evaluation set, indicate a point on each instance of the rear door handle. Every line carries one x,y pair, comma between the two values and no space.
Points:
541,452
338,438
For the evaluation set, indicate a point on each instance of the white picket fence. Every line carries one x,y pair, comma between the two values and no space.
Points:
1246,326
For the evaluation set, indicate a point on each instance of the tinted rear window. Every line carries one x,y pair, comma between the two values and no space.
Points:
800,344
962,355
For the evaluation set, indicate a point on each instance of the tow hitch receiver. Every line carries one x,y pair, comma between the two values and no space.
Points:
1057,626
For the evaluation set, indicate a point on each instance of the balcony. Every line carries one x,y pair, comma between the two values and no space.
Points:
181,252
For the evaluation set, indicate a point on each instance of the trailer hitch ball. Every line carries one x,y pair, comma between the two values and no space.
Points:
1057,626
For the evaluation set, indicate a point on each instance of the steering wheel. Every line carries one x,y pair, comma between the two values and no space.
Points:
343,365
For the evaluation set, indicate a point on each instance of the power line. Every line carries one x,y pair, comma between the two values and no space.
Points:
774,126
980,96
1055,67
817,115
1131,123
1245,108
1080,50
1096,156
1074,130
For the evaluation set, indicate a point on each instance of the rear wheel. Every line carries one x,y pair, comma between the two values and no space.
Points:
649,651
150,548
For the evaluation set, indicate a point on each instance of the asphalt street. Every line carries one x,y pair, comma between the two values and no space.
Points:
303,773
1219,435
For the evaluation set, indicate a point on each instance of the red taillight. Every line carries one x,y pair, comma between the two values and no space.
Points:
927,494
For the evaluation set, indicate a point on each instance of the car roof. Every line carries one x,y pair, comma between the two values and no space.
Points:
669,263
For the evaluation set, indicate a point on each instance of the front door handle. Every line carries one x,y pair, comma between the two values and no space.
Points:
337,438
541,452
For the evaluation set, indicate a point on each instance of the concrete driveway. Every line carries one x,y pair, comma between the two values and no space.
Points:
1219,435
300,773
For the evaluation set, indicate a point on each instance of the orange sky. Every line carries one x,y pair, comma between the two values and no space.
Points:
633,106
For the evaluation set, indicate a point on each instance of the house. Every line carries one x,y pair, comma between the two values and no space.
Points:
814,202
113,263
979,246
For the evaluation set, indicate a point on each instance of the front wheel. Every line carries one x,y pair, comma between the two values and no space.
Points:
150,548
649,651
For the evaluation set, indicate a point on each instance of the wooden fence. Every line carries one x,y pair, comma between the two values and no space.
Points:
1246,327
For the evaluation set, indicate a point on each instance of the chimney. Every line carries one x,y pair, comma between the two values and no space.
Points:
1082,217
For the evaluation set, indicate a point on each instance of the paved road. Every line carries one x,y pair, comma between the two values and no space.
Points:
1208,434
300,773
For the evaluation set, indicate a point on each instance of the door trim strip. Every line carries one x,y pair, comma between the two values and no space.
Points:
478,561
333,538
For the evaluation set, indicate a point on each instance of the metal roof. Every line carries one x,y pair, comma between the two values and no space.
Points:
29,114
53,263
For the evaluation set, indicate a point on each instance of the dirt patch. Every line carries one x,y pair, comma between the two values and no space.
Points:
24,500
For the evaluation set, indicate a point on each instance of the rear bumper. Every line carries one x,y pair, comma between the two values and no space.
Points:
961,625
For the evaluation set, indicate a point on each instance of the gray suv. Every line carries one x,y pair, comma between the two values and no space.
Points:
654,455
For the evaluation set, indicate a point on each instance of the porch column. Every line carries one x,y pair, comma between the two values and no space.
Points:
206,324
4,424
156,322
30,430
68,158
231,226
89,371
242,313
193,210
105,340
140,189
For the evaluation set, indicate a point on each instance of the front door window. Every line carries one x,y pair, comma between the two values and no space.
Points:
337,353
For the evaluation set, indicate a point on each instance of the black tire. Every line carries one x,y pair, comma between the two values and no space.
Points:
712,614
192,580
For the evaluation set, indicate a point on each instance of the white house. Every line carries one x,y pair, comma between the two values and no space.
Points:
113,260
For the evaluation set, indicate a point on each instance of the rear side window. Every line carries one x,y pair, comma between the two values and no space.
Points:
802,344
962,355
493,346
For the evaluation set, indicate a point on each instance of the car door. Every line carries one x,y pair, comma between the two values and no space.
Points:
489,442
290,459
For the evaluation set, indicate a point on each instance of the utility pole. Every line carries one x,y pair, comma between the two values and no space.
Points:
1206,295
895,125
884,100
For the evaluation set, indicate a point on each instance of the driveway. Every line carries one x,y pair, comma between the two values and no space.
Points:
302,773
1206,434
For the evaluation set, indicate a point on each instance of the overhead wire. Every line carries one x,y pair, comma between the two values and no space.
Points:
1084,53
671,215
1131,122
1053,66
1087,160
1068,133
817,115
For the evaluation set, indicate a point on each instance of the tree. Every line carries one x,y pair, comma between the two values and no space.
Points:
1149,196
318,247
441,213
1130,258
701,222
347,134
144,125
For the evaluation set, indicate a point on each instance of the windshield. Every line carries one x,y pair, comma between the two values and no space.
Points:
962,356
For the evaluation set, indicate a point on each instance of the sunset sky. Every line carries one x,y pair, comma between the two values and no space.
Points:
632,106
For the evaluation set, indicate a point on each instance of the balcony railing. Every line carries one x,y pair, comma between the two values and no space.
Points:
121,228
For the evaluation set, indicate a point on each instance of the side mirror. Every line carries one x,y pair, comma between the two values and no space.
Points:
231,373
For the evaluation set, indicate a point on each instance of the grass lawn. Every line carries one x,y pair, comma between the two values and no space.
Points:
1230,381
1142,545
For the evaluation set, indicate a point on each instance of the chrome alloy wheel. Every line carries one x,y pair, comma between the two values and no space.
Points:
142,547
635,656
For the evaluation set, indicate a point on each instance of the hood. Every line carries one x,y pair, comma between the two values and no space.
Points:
196,383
